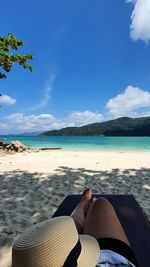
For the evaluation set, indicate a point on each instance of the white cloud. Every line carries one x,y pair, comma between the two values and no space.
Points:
133,101
128,102
7,100
140,25
20,123
86,117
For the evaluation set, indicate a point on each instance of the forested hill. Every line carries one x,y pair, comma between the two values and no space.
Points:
119,127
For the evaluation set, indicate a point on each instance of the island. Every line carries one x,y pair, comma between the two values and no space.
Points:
124,126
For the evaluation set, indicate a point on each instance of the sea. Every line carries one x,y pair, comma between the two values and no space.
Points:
88,143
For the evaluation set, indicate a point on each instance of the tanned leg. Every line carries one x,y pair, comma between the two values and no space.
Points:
80,212
102,222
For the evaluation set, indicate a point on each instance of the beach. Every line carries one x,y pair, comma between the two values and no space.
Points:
34,183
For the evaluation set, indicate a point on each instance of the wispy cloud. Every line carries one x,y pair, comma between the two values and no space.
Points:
47,91
140,20
7,100
57,37
46,94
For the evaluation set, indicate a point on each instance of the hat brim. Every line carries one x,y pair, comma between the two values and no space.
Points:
90,251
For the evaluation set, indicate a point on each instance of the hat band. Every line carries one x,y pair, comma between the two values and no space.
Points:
73,256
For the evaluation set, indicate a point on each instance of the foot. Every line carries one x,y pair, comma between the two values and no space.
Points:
80,212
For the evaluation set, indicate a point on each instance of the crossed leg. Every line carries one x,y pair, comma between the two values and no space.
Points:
80,212
98,218
102,222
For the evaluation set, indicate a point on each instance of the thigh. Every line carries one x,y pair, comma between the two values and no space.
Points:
102,222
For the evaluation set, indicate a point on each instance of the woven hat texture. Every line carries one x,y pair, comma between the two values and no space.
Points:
49,243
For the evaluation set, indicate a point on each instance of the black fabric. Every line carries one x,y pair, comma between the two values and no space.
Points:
73,256
119,247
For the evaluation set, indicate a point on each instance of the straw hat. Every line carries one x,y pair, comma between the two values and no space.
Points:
55,243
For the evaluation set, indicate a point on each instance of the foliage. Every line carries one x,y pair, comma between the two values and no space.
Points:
118,127
7,59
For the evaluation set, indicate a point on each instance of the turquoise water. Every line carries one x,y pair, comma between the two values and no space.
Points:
84,142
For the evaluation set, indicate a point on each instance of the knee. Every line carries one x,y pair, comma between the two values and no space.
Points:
101,203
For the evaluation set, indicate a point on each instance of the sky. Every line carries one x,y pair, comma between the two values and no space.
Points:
91,63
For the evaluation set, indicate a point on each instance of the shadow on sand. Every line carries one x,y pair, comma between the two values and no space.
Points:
28,198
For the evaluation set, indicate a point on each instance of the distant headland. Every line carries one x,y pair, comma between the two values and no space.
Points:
124,126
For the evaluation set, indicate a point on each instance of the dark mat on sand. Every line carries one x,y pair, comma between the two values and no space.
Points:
134,221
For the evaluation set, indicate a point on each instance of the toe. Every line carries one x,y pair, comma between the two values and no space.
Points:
87,194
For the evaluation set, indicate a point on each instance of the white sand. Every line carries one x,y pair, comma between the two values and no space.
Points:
32,185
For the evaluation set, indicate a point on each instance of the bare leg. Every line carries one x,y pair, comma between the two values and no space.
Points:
102,222
81,210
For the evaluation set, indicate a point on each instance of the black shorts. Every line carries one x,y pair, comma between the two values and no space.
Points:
119,247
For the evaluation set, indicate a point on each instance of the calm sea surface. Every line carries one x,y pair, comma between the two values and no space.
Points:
84,142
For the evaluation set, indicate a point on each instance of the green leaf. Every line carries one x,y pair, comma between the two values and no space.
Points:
8,43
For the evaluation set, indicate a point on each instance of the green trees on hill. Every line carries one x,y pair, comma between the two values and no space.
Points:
118,127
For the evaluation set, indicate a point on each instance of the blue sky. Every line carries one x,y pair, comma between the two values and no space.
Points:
91,63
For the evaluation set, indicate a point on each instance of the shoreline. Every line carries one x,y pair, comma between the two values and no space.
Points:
53,149
85,143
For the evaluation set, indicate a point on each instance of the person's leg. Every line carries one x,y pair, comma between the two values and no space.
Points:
81,210
102,222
